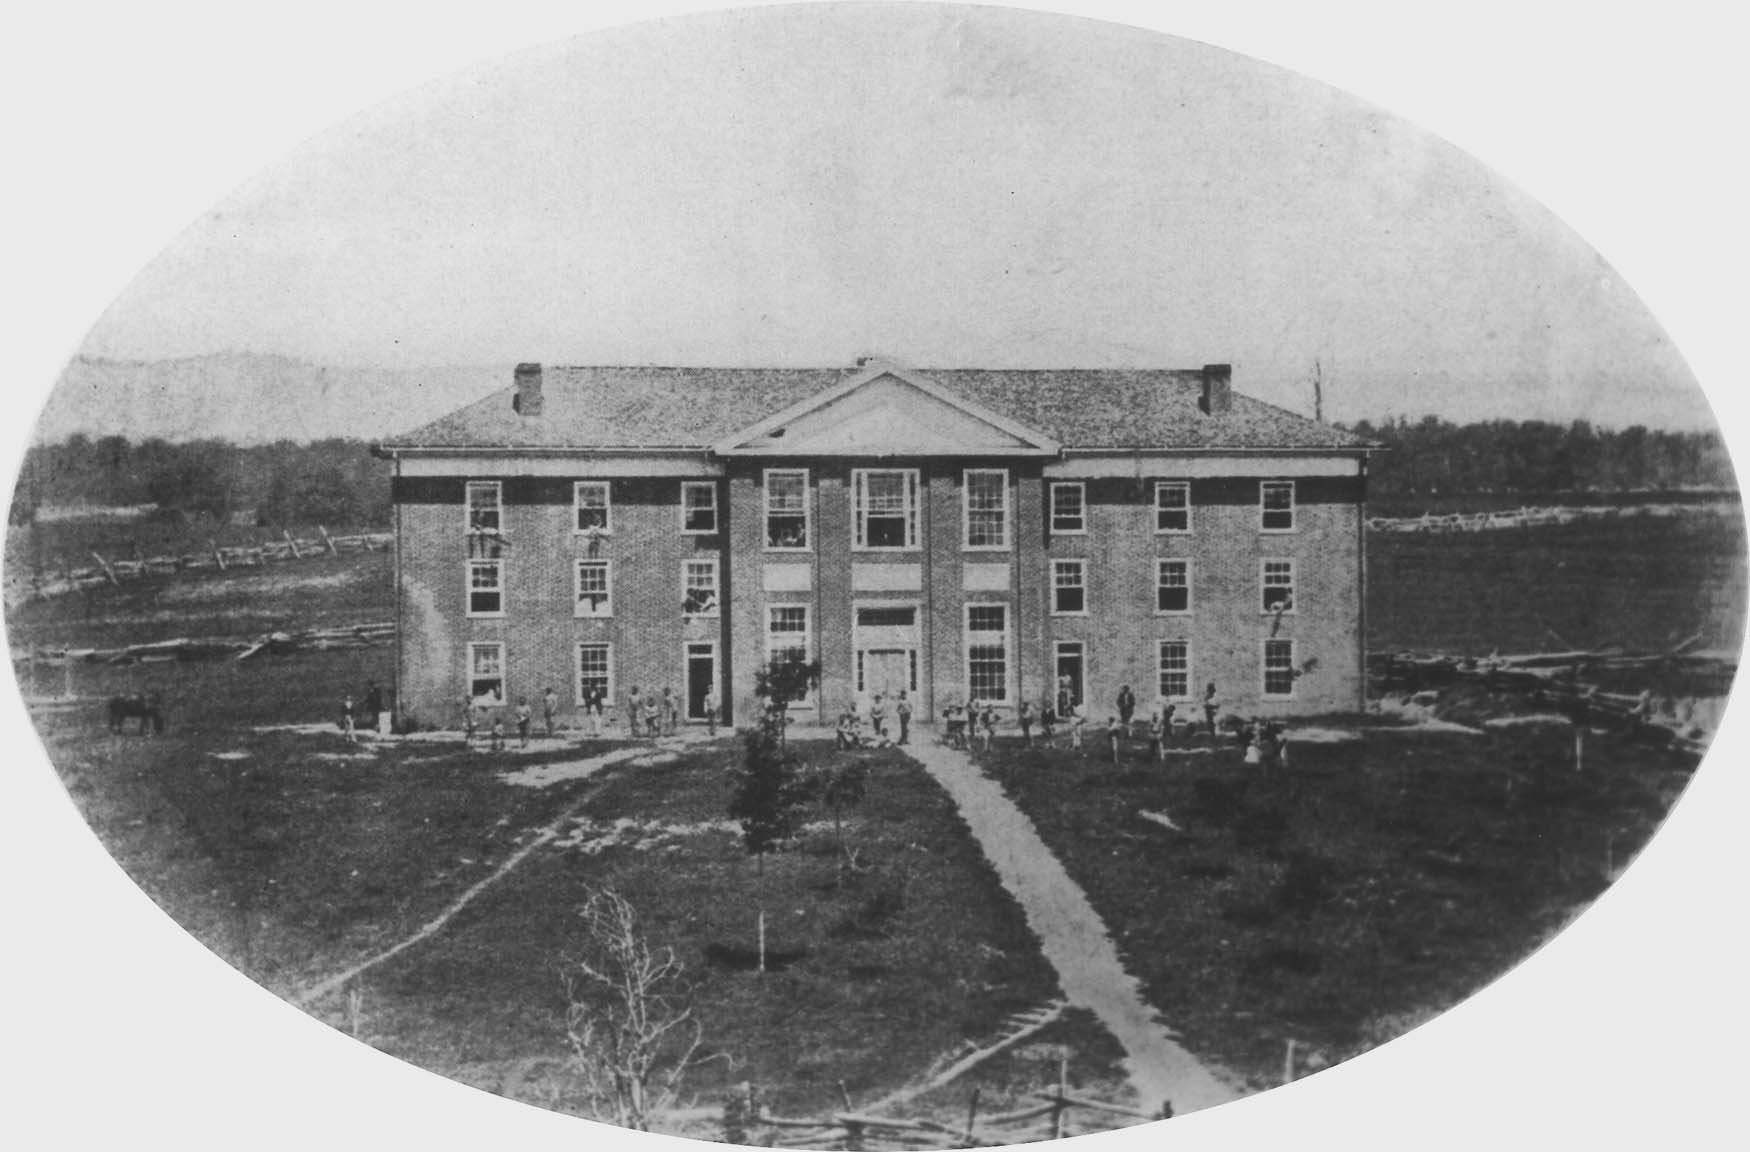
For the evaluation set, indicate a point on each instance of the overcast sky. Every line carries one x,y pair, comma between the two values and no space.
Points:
948,186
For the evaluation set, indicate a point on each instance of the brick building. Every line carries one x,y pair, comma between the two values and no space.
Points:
951,533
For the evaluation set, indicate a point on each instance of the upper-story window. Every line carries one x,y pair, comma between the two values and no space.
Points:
699,507
594,511
1069,512
1278,585
595,589
886,508
699,588
1069,587
1276,506
485,506
1172,586
987,508
1172,506
486,587
787,509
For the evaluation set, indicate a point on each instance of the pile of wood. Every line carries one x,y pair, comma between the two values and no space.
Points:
221,648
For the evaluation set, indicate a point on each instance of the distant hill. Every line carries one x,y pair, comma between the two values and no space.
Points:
249,398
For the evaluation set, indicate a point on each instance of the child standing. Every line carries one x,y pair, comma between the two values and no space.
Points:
1047,720
1156,739
346,720
1112,731
497,732
711,711
989,719
470,720
1076,722
1025,716
902,709
525,717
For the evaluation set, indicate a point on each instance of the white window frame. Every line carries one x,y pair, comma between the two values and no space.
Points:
607,609
716,609
608,694
1264,488
607,507
1265,584
710,486
1081,491
1190,519
1080,566
497,489
966,544
498,566
471,671
967,645
773,644
1161,670
1161,563
1264,668
859,510
807,513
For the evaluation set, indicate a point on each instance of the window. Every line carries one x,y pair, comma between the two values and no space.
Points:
987,508
593,512
887,617
1278,585
1172,586
787,635
699,507
1278,667
486,674
1172,506
699,591
485,506
1276,506
1069,587
987,652
786,510
595,589
1068,508
595,669
486,588
887,508
1175,683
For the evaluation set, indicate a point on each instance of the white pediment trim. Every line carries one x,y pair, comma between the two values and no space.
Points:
758,439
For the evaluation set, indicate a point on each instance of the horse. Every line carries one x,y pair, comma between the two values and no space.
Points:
147,708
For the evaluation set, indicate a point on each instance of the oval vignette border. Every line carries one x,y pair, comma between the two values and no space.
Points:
174,1037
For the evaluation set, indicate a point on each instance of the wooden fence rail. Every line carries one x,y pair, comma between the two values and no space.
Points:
1534,517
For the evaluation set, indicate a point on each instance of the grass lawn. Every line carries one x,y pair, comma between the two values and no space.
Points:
1384,880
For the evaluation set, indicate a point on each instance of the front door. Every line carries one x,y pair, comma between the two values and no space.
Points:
887,671
1069,671
701,677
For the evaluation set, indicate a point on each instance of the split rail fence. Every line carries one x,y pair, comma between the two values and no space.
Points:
1533,517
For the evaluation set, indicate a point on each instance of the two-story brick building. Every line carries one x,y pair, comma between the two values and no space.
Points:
956,533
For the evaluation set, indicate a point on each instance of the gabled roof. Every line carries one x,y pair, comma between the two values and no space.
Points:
700,408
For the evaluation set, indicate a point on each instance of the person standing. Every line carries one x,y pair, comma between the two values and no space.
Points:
671,711
878,716
346,719
634,713
1211,707
1076,722
470,720
549,709
1065,699
1126,709
373,707
652,717
711,710
1047,720
594,697
498,731
1112,731
902,709
989,720
1156,739
525,718
1025,718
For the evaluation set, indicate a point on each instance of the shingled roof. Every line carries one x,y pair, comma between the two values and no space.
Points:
631,407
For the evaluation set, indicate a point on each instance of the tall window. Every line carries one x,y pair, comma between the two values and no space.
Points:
1069,508
1069,587
987,652
595,669
699,507
787,635
485,506
987,508
486,674
595,589
593,510
1278,667
1276,506
1172,586
787,509
887,508
1175,669
699,594
1278,585
486,587
1172,506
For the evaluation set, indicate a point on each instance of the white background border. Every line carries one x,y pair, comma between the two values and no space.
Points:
124,122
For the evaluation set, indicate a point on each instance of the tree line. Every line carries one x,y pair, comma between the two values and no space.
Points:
334,482
1432,458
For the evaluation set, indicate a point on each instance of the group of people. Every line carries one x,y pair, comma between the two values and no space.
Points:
647,714
851,733
369,712
475,716
977,719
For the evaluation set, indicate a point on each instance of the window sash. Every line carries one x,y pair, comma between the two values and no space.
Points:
786,496
1277,582
788,637
592,501
486,666
985,504
1069,508
1069,587
1173,586
699,507
485,500
886,509
595,664
699,588
1172,506
1175,669
987,652
1279,668
1276,506
485,587
594,589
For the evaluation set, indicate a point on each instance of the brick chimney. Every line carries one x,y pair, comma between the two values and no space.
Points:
528,390
1218,397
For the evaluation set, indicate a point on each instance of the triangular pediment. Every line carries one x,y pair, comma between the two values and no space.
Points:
886,411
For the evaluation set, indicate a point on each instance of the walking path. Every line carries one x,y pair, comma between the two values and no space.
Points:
1073,938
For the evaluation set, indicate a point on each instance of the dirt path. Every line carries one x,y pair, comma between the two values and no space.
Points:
1073,938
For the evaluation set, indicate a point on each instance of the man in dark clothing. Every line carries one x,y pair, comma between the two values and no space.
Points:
1126,708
